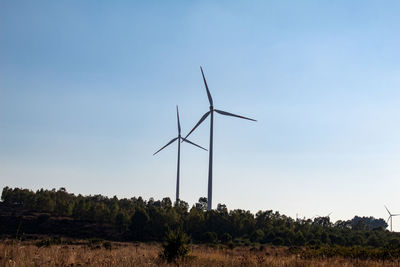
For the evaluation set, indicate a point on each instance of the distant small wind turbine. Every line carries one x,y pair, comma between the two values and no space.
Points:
211,112
179,138
390,218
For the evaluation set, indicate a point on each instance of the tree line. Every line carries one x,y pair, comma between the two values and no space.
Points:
136,219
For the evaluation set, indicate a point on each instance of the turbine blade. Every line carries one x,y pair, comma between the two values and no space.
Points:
233,115
177,116
170,142
387,209
186,140
395,215
200,121
208,91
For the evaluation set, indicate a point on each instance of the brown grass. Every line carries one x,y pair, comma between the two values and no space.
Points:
14,253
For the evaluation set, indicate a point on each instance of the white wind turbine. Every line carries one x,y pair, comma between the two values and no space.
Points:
390,218
210,159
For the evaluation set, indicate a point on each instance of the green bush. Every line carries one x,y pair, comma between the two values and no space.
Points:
226,238
107,245
257,236
49,242
278,241
210,237
175,246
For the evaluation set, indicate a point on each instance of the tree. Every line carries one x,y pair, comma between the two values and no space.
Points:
195,223
138,224
373,241
44,202
6,194
394,243
166,203
121,221
359,225
299,239
322,221
222,208
181,207
257,236
202,204
79,209
369,222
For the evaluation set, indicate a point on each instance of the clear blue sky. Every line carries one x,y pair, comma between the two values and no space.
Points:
88,92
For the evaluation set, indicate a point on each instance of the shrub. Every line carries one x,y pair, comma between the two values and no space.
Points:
210,237
231,245
175,246
107,245
42,218
257,236
299,239
278,241
226,238
314,242
49,242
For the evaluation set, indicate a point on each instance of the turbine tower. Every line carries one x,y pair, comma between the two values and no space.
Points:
390,218
211,113
179,138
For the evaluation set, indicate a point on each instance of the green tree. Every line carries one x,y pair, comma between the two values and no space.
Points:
202,204
122,221
138,224
299,239
210,237
257,236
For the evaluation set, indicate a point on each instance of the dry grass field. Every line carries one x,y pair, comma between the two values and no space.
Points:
14,253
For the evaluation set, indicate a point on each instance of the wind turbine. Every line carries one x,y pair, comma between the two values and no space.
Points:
211,113
179,138
390,218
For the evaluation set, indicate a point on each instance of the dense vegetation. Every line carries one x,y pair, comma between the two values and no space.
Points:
60,212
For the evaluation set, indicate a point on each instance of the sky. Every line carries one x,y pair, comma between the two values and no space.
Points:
88,91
